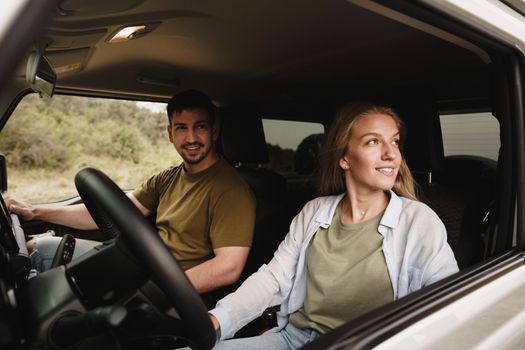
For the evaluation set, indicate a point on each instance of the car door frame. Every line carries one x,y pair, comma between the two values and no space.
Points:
383,323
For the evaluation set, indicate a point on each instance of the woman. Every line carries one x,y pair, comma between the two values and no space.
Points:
366,242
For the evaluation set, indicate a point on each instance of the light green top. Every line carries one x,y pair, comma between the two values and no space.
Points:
347,275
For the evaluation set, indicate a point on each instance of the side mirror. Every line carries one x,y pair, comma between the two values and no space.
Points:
3,173
39,74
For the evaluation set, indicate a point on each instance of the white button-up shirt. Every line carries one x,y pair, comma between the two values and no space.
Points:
414,244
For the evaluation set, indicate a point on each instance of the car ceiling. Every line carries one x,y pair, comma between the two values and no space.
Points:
239,50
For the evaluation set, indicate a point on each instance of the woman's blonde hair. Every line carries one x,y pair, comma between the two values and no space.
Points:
331,176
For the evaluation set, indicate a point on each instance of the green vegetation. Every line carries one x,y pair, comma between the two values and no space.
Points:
47,141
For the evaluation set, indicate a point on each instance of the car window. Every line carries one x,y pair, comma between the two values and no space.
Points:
473,134
47,141
293,146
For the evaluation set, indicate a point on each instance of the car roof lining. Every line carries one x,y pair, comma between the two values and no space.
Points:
234,52
425,27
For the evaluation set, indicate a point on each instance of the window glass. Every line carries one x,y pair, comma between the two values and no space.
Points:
474,134
293,147
47,141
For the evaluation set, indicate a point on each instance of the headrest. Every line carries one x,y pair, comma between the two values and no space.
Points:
242,135
470,171
423,149
306,158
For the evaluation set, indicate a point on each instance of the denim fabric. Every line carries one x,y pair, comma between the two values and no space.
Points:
288,338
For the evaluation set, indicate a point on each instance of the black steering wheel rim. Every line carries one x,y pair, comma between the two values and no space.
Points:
108,205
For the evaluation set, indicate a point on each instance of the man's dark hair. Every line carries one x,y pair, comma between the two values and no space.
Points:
188,100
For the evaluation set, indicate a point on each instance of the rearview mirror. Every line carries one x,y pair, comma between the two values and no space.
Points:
39,74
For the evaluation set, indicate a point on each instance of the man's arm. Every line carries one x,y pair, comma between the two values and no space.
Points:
75,216
145,211
224,269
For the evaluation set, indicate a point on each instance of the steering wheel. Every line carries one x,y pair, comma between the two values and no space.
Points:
112,210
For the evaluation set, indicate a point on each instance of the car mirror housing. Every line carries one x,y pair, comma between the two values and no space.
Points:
39,74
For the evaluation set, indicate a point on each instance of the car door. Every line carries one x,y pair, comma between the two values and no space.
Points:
481,306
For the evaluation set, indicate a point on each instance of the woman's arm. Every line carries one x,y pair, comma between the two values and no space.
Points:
441,262
269,286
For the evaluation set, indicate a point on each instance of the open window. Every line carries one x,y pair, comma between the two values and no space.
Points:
48,140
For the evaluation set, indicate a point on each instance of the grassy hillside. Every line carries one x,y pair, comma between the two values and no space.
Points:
47,141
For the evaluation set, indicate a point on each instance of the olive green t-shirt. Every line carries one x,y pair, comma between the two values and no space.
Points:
197,213
347,275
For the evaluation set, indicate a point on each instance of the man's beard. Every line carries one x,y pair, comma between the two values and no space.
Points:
200,157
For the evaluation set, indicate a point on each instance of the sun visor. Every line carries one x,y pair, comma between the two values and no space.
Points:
67,40
68,61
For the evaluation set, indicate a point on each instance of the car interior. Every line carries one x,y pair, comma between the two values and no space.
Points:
293,61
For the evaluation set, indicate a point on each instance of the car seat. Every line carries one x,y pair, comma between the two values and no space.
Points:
244,146
460,189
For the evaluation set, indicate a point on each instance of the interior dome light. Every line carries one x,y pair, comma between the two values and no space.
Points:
127,33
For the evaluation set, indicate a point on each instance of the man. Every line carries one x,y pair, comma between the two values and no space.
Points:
205,212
